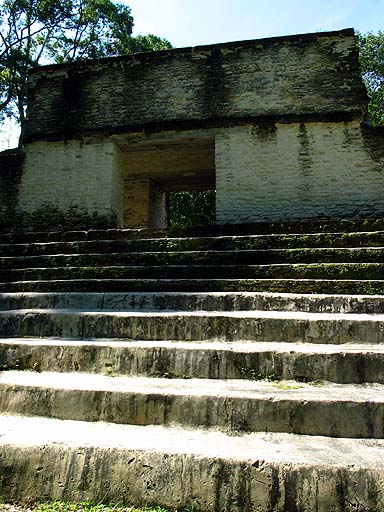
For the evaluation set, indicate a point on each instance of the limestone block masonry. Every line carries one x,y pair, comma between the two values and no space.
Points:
11,168
299,171
170,380
80,179
304,74
278,124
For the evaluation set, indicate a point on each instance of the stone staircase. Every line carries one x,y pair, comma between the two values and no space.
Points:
211,368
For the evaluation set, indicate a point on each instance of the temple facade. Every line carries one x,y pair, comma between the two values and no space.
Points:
275,126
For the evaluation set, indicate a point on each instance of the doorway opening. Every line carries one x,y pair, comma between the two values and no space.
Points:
168,181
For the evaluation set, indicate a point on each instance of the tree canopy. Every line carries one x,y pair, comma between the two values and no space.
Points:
35,32
371,51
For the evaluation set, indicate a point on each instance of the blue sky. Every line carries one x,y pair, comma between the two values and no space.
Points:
195,22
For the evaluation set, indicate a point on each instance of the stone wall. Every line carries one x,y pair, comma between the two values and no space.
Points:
144,204
276,122
72,185
310,74
11,165
264,173
299,171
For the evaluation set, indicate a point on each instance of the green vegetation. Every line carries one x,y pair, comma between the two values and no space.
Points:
285,386
62,506
371,50
85,506
191,208
55,31
252,374
277,380
330,271
170,375
24,364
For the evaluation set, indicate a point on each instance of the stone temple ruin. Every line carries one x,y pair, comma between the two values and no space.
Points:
237,367
275,126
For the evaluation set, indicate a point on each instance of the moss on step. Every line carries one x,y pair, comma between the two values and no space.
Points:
355,287
280,241
367,271
23,363
239,257
170,375
262,228
292,262
253,374
276,379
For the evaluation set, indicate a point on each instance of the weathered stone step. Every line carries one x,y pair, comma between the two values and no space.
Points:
279,241
374,271
178,468
343,225
285,326
303,286
184,301
169,359
240,257
340,226
337,410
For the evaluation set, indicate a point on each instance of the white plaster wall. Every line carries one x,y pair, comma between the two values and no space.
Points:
71,174
294,172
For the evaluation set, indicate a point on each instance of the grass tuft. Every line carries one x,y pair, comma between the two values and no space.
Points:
83,506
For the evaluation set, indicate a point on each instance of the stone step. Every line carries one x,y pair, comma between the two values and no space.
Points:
219,243
337,410
184,301
213,360
240,257
341,226
374,271
157,353
178,468
278,326
302,286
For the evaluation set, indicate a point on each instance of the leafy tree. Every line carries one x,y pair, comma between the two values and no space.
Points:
147,43
26,28
191,208
371,51
34,32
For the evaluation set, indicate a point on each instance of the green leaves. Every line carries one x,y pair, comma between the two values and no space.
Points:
35,32
141,43
191,208
91,29
371,47
376,107
371,55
